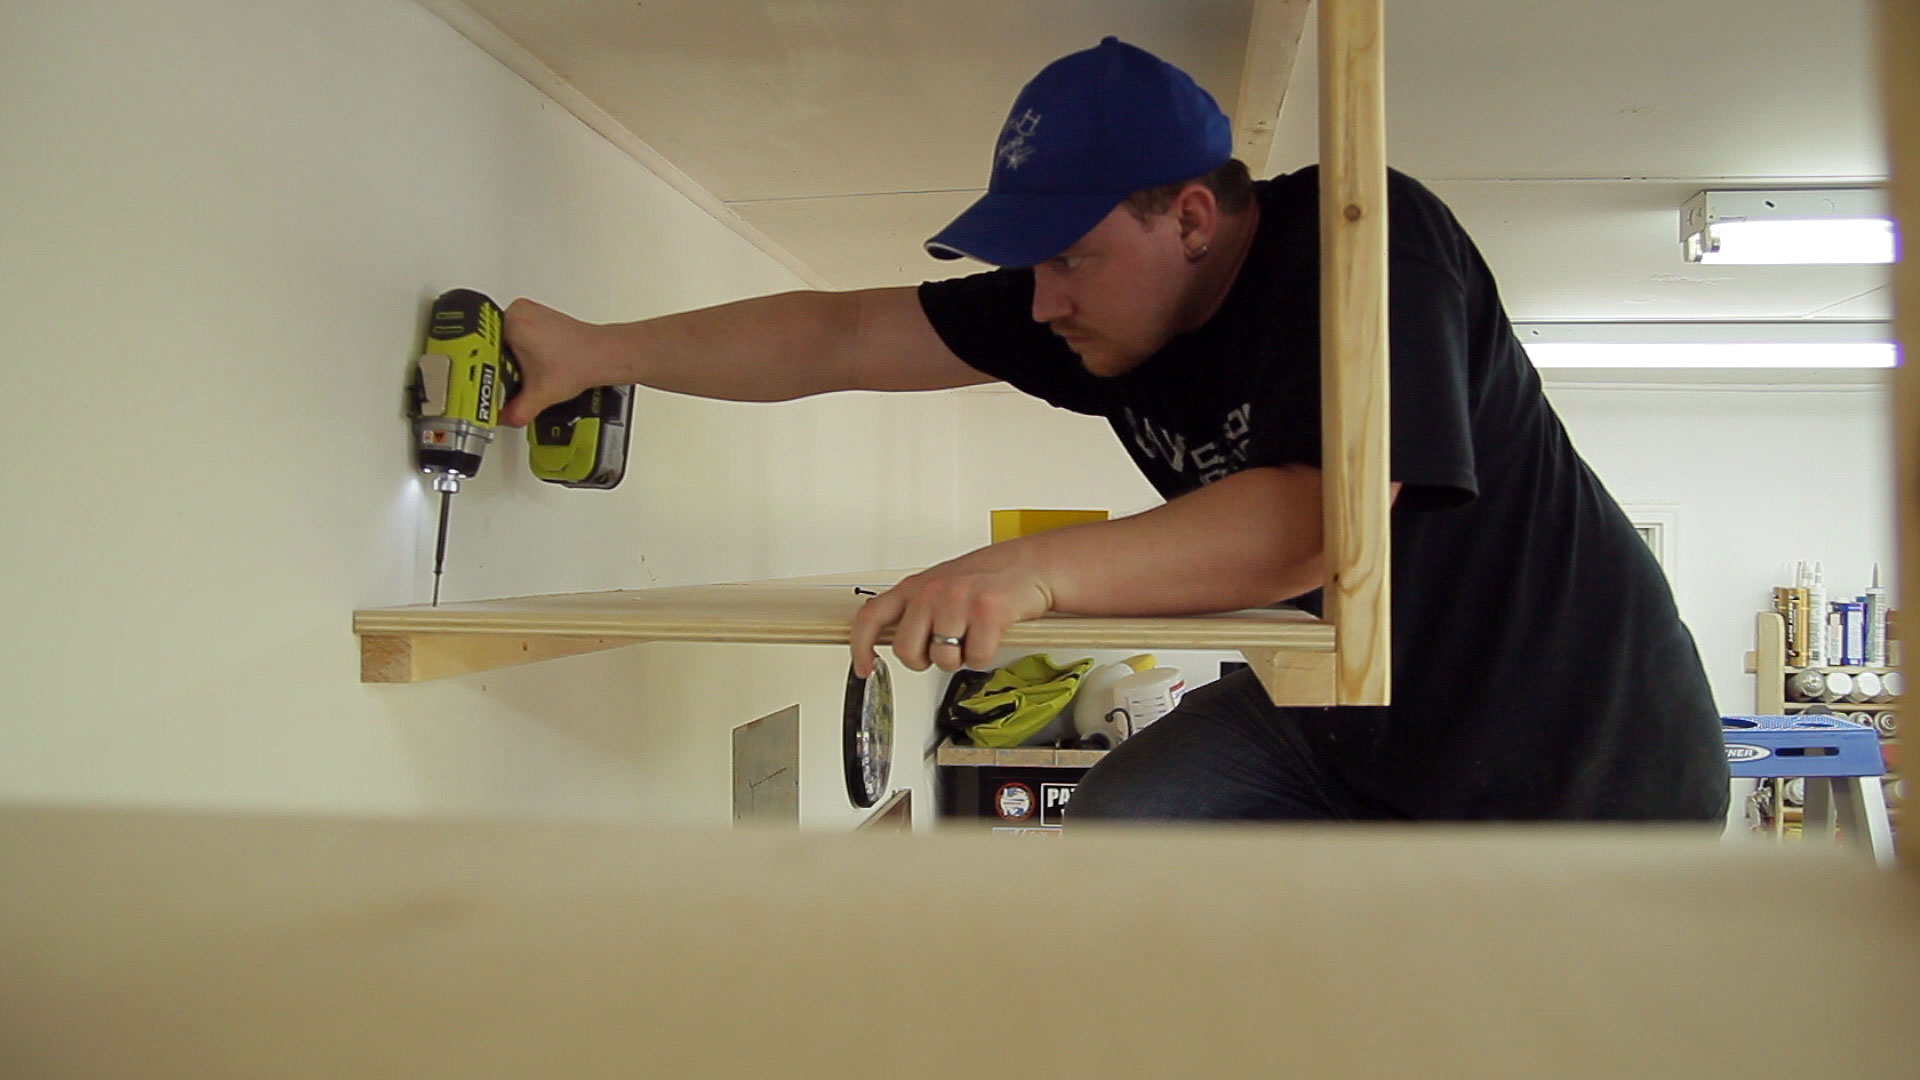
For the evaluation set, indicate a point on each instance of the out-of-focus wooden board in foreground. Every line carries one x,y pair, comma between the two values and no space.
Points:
1899,25
167,945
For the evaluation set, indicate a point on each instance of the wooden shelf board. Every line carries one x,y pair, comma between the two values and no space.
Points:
1751,666
410,644
1040,757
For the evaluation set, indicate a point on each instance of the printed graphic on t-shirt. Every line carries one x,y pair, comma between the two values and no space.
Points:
1208,461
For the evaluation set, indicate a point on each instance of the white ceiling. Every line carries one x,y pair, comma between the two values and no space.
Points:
1564,134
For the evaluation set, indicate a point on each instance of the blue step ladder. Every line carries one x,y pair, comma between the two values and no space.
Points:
1841,763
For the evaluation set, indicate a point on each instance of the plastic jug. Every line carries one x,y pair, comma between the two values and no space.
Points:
1148,695
1099,720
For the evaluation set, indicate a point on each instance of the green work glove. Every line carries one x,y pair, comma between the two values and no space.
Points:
1019,700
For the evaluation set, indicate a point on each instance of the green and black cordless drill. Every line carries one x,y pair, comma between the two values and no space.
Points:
460,383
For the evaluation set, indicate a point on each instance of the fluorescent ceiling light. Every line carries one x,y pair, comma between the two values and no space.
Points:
1833,225
1681,345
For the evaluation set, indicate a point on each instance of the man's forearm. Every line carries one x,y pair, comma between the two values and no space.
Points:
1250,539
1247,540
790,345
770,348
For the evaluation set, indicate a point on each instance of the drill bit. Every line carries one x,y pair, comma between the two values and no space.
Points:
440,544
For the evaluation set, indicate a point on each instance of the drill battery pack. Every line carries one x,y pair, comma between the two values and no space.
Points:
583,442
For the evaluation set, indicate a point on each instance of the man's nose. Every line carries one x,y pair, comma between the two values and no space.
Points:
1049,300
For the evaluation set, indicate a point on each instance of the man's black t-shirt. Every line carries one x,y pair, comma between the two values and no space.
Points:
1540,669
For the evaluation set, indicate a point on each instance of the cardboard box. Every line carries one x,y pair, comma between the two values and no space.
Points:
1008,798
1008,524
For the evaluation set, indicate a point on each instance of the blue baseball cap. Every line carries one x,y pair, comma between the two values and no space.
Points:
1092,128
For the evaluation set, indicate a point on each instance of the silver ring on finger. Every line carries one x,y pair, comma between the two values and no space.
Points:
946,639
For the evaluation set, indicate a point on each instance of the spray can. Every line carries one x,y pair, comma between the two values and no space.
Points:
1807,686
1839,685
1866,687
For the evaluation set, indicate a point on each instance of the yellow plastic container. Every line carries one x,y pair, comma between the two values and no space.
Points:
1008,524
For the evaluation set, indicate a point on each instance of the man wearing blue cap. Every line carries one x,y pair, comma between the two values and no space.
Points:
1540,670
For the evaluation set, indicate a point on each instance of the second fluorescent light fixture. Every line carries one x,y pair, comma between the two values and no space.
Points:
1803,344
1804,226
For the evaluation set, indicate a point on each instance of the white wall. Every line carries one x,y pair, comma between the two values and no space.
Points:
1756,480
1727,466
222,222
1017,451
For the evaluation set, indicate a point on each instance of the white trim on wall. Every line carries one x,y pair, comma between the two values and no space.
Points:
1658,525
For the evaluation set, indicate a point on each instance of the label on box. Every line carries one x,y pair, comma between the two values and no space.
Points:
1014,801
1053,804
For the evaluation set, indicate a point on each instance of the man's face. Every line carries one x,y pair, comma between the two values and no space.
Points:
1115,296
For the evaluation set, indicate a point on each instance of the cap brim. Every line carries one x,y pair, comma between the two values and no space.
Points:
1003,229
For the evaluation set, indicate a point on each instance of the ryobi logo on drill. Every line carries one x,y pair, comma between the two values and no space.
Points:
483,412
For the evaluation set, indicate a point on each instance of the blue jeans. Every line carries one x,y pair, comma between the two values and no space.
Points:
1226,753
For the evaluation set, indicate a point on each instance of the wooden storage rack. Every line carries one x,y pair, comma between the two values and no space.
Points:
1767,664
1343,659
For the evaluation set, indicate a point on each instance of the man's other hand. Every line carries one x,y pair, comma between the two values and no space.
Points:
951,616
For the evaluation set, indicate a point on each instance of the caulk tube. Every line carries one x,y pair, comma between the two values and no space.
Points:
1876,599
1817,618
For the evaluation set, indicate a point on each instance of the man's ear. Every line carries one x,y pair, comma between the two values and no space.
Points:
1197,214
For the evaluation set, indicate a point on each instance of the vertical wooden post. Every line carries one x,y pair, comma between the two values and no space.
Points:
1353,345
1900,102
1769,664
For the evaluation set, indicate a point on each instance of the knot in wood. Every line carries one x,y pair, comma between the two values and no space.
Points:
1353,212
